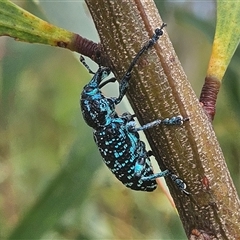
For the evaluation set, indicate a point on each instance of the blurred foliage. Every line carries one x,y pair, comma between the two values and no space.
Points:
52,180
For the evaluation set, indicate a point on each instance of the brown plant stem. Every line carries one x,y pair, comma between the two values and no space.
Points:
90,49
209,94
159,89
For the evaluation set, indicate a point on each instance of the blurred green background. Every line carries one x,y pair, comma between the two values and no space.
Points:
53,183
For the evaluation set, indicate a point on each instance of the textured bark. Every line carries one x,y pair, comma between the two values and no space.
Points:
159,88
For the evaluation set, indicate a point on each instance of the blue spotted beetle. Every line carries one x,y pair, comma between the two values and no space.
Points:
117,136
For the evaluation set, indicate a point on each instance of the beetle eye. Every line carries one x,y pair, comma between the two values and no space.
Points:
90,90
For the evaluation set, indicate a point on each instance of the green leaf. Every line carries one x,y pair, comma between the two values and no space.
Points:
226,38
23,26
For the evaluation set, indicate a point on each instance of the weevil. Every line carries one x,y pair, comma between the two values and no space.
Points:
116,135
